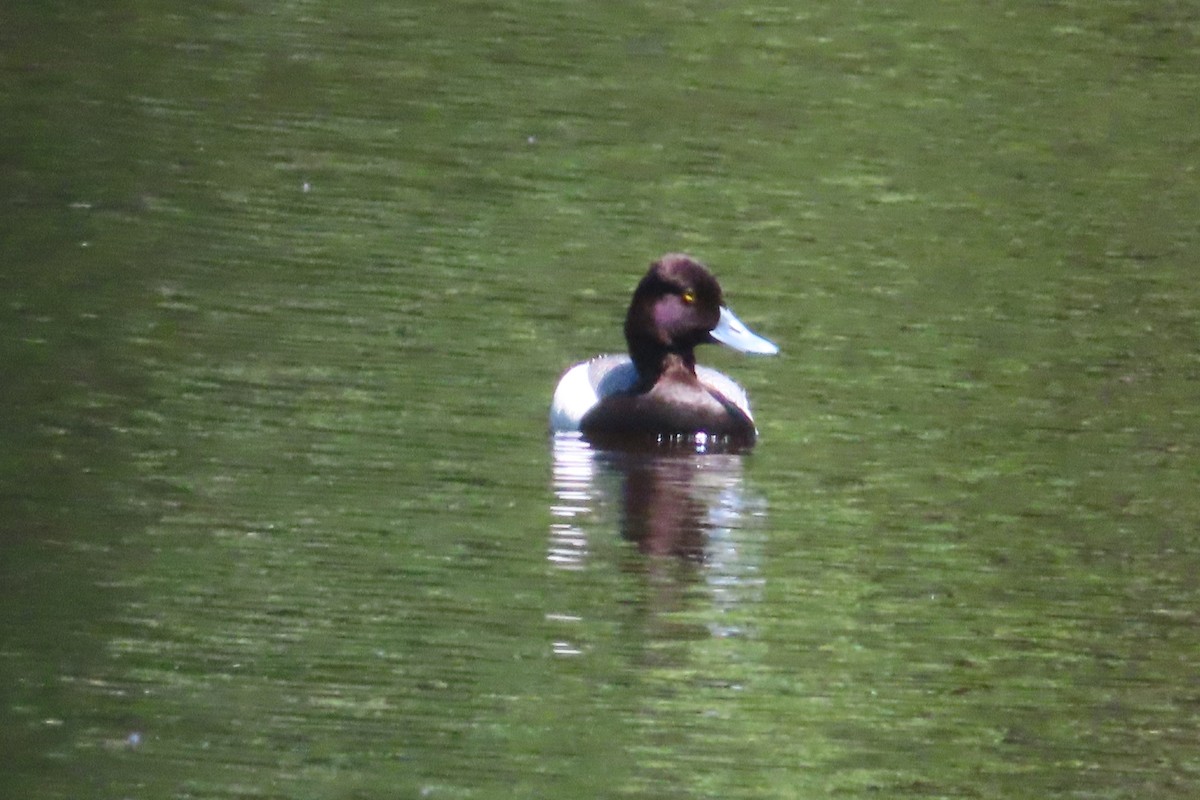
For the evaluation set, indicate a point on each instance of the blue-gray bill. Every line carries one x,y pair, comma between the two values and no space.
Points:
730,331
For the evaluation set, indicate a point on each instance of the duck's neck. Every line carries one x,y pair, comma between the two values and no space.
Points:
652,356
653,363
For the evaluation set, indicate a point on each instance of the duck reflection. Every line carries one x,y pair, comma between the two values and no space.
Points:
662,511
676,505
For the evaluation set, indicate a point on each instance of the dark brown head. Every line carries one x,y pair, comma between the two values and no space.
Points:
676,306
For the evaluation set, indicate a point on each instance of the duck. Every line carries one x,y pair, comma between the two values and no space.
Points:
657,393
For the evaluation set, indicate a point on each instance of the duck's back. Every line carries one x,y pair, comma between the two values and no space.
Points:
585,384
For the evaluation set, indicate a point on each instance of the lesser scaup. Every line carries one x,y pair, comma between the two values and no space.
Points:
657,391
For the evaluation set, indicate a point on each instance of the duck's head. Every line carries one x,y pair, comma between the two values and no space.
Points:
676,306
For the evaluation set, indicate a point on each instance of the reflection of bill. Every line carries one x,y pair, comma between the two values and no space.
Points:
681,504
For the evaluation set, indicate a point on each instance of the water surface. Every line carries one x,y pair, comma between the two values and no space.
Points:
284,293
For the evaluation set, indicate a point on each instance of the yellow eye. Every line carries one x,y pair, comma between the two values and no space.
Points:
689,296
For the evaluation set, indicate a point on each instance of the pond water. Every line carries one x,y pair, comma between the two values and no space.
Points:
284,292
